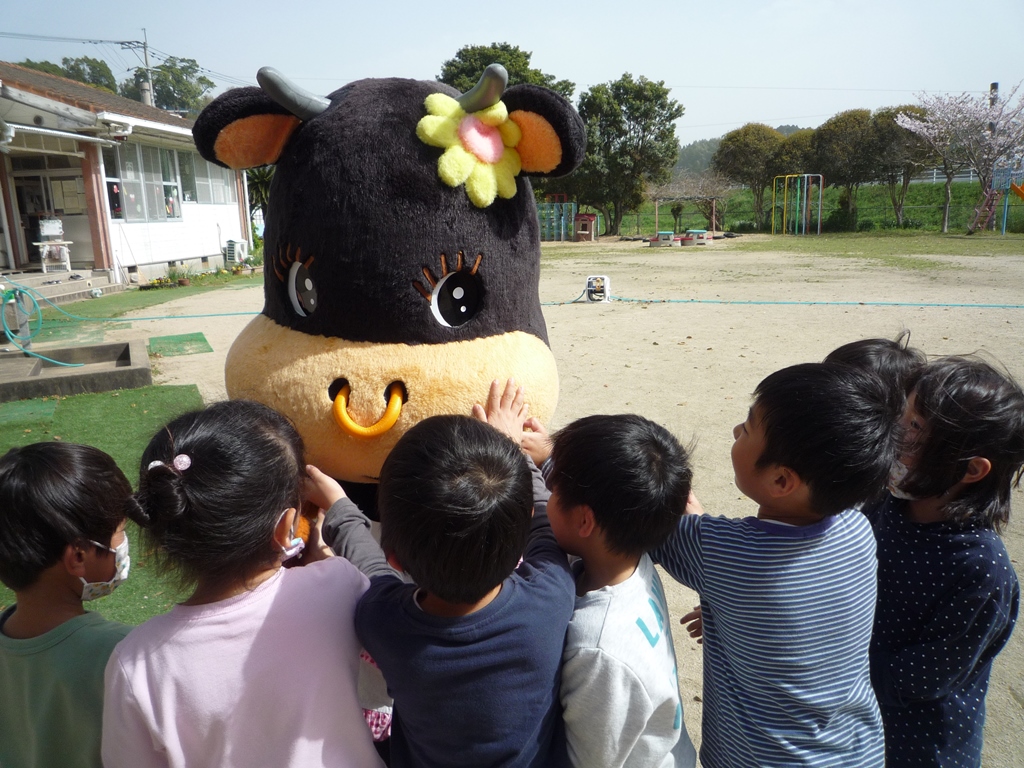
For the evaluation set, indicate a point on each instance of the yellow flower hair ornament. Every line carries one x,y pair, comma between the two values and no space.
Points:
479,147
477,137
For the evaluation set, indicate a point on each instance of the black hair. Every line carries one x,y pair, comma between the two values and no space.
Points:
213,520
631,472
892,359
455,504
835,425
970,410
52,495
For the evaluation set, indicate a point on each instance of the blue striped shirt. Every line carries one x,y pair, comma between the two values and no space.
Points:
787,625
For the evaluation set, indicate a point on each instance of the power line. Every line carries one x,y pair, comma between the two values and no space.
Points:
51,38
131,44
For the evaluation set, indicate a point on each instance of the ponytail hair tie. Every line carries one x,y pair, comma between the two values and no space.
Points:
181,462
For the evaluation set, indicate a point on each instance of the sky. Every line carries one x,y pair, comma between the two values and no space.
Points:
779,62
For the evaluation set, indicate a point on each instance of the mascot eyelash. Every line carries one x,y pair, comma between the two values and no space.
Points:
457,296
294,273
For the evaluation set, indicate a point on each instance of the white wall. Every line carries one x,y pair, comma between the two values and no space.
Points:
187,239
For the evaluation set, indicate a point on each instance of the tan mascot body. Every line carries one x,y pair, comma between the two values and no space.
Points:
402,253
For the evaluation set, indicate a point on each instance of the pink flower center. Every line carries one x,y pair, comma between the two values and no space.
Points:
483,141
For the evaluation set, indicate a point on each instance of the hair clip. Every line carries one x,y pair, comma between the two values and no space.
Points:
181,462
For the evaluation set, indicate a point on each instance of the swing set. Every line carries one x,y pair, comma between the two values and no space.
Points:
796,213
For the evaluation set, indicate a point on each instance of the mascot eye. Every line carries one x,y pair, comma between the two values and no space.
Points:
456,298
301,290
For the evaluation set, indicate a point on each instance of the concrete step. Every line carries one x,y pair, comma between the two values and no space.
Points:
65,291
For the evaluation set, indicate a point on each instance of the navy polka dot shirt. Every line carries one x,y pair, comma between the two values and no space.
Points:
947,602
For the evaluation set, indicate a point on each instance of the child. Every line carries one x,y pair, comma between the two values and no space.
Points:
62,542
619,486
258,666
947,593
472,651
895,361
787,597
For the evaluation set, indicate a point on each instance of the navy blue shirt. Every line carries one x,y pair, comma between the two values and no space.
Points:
478,690
947,603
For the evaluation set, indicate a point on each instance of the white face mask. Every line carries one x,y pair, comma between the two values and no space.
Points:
122,563
296,545
897,474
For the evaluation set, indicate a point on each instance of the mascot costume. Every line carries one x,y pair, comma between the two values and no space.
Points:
402,254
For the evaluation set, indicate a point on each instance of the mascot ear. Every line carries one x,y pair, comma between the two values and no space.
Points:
243,128
554,138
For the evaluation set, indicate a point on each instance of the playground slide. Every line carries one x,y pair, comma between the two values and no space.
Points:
1018,190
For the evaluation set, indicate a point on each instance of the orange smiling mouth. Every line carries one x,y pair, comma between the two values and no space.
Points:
395,397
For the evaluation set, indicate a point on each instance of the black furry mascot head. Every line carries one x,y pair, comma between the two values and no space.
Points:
402,253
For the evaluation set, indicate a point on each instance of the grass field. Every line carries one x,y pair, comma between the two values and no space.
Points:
901,249
922,210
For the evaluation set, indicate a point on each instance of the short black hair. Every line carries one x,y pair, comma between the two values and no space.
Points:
52,495
455,503
892,359
970,409
214,520
631,472
836,426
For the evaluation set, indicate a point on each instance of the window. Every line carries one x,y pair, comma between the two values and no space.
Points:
131,183
202,180
113,179
147,183
169,171
187,169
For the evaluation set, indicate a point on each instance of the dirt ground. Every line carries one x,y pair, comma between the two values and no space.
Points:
692,366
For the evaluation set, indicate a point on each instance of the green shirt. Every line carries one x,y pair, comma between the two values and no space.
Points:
51,693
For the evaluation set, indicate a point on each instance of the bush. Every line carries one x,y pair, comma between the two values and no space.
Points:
838,220
743,227
866,225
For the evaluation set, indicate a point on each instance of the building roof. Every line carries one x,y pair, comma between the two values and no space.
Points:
83,96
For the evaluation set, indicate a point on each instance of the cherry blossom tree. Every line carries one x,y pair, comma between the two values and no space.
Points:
982,132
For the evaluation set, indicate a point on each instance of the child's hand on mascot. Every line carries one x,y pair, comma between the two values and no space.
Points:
320,489
536,441
506,409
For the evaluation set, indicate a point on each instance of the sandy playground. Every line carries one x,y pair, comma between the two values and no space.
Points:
692,366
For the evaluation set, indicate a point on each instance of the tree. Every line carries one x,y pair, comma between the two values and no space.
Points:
86,69
794,154
844,152
258,181
696,156
43,66
789,130
631,142
177,86
991,131
745,157
940,129
463,71
901,154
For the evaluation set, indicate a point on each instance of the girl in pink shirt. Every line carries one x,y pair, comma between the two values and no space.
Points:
259,666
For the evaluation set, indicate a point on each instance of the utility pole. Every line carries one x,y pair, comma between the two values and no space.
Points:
147,86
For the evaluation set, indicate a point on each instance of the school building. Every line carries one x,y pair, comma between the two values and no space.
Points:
93,181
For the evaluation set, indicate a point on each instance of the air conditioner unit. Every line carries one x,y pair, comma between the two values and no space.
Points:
236,251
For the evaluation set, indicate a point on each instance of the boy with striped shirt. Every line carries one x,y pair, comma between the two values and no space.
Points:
787,597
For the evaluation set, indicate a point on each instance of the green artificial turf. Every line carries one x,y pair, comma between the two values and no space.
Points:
183,344
122,424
